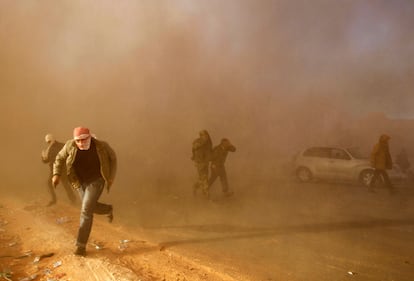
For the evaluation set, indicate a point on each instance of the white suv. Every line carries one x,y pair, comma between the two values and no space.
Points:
335,163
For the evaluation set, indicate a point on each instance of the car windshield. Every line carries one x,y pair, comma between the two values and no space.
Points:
356,153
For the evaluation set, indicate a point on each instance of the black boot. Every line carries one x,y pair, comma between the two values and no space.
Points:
80,251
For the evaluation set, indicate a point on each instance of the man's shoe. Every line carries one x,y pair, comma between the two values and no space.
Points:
111,215
80,251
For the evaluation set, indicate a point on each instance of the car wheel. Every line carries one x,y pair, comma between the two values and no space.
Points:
304,174
365,177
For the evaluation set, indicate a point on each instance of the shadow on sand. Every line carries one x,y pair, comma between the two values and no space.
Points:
228,232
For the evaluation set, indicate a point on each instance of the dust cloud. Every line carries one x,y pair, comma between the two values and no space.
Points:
272,76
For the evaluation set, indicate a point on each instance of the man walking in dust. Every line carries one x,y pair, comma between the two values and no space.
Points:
201,154
217,165
91,167
48,157
381,162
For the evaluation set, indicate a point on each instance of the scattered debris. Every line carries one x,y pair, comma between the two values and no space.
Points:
47,271
97,245
6,275
123,244
62,220
57,264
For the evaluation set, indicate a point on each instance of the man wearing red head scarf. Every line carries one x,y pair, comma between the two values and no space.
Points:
91,167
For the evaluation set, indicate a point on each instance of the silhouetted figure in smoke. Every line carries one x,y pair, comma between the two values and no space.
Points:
48,157
91,166
217,165
201,155
381,162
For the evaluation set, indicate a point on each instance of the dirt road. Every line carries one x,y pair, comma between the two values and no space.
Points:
36,243
288,231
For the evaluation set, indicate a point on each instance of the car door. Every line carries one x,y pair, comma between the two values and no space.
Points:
340,164
318,161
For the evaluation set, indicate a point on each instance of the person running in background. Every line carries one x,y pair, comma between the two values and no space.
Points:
381,162
217,165
201,155
48,157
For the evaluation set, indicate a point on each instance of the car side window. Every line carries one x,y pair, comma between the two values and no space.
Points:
339,154
321,152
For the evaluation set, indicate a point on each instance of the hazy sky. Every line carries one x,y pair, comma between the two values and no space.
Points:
358,51
147,74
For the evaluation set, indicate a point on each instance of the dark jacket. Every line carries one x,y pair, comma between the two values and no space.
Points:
380,155
220,154
202,149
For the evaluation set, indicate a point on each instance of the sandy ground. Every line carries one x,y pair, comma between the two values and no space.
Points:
280,231
36,243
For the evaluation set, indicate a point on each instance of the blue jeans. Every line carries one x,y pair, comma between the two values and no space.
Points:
89,195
